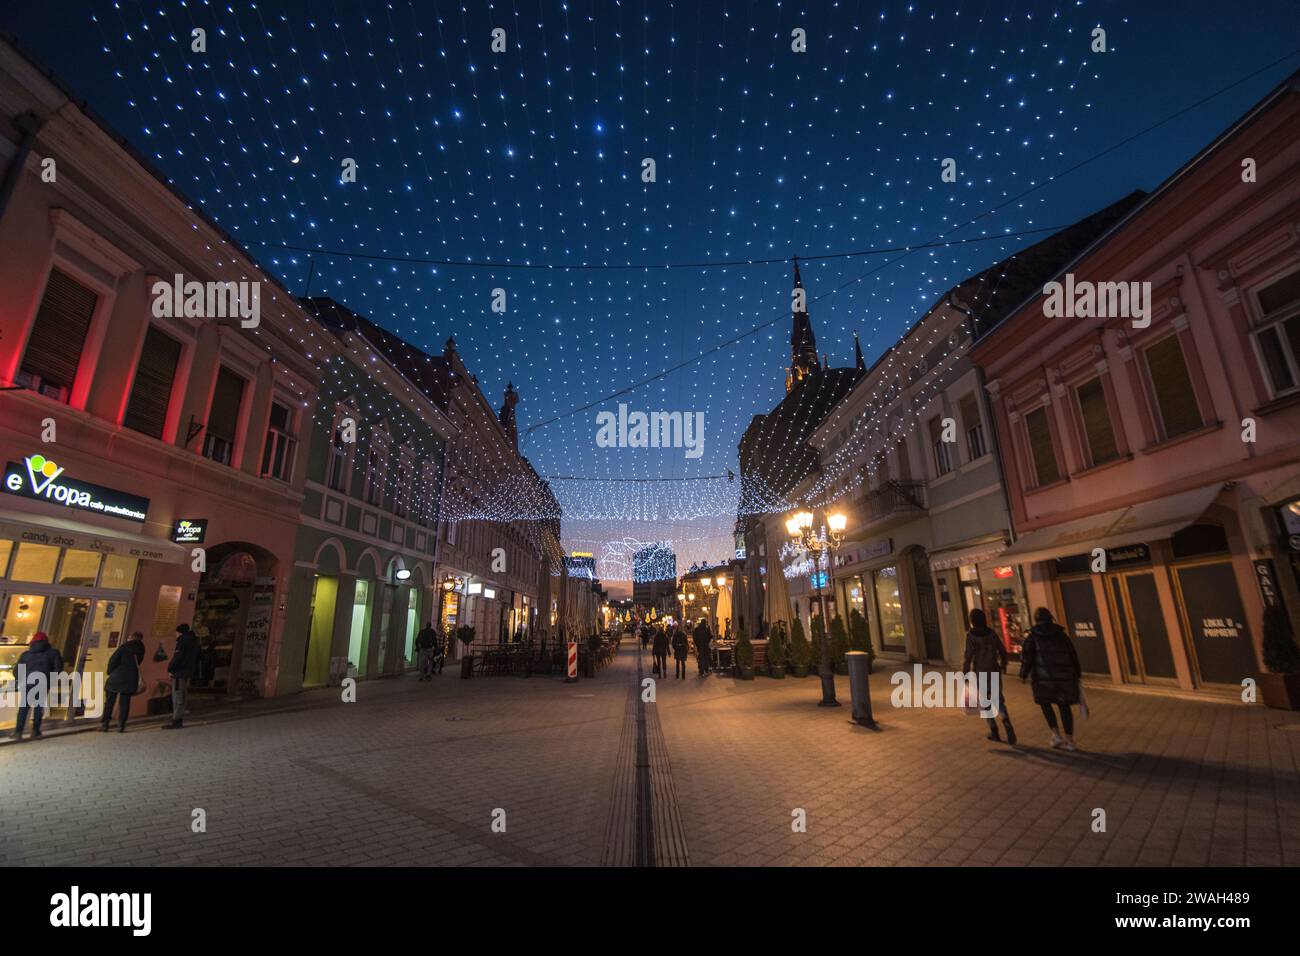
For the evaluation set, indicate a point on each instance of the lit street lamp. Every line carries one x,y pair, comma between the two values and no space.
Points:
816,543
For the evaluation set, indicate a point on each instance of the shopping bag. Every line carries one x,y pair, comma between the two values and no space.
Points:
160,655
1083,702
970,702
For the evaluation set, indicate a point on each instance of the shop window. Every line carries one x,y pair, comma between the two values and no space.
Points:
223,417
942,455
889,608
79,568
22,618
1277,336
1042,455
119,572
6,549
151,392
280,447
35,562
1199,539
1171,385
58,337
1098,433
976,446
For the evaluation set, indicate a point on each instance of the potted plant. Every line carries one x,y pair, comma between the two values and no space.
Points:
839,645
465,634
800,649
745,655
860,637
1279,685
776,651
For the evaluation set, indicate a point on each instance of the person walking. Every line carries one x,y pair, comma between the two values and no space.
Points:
645,636
35,669
702,639
426,645
1049,660
122,681
183,668
661,653
681,647
987,658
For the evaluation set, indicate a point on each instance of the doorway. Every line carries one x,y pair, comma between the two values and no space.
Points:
1140,624
929,610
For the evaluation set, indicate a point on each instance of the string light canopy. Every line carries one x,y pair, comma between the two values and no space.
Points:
501,198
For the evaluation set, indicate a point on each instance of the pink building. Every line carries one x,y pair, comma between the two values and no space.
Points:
1159,438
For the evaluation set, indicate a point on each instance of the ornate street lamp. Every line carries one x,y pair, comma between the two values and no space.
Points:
816,543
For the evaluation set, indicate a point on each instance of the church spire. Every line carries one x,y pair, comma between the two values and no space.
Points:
803,344
860,365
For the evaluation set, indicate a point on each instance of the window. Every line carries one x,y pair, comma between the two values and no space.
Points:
976,446
402,490
146,410
1171,386
54,348
336,470
278,453
1042,455
376,469
1278,334
942,458
426,499
1098,435
223,417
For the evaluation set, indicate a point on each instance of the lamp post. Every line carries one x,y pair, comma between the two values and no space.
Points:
816,543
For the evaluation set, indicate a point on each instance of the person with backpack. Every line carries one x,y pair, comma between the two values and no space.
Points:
122,681
1049,660
35,670
184,667
987,659
681,648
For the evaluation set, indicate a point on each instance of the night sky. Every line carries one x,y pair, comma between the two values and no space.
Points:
524,168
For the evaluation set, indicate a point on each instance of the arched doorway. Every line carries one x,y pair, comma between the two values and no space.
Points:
232,617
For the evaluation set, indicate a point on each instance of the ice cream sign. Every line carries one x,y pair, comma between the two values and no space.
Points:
43,479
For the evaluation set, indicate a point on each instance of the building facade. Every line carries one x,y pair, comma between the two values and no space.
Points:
1153,455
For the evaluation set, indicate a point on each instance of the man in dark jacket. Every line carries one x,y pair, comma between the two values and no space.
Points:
681,648
35,670
183,668
660,651
1049,660
426,644
702,652
987,659
123,681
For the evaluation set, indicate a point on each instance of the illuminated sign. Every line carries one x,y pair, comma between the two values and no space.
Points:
40,478
476,588
489,593
190,530
1004,572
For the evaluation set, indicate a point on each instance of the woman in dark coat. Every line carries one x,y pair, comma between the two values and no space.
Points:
123,681
986,656
1049,660
681,647
660,651
702,653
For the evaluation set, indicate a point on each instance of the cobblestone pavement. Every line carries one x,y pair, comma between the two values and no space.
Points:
415,774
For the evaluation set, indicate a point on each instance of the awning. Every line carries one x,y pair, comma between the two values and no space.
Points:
67,533
972,553
1149,521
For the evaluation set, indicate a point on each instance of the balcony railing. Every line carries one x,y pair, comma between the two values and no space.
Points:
894,502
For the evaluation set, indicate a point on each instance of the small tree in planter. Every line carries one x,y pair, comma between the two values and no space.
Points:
776,650
744,655
839,645
860,637
800,650
1280,686
465,634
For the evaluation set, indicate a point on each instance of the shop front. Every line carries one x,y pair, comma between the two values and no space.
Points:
974,576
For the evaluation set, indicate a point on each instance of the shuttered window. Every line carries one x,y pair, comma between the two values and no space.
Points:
223,417
976,446
942,459
1098,432
54,348
151,392
1039,432
1172,387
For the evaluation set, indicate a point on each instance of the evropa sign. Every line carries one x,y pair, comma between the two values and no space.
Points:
39,477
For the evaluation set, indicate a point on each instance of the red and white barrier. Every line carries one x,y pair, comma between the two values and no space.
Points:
572,676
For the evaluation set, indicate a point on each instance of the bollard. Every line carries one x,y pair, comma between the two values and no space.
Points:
571,676
859,689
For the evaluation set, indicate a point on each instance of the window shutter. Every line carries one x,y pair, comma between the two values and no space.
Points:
223,418
1040,447
1097,429
146,411
62,321
1175,398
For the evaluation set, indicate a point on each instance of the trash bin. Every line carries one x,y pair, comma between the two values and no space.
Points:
467,667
